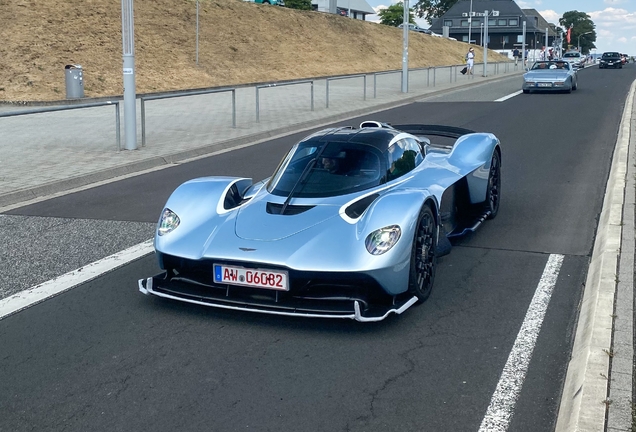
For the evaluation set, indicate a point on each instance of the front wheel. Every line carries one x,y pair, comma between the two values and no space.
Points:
423,257
493,194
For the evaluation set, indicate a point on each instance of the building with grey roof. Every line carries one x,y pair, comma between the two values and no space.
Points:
465,22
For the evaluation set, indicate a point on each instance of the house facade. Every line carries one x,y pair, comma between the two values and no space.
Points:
356,9
466,19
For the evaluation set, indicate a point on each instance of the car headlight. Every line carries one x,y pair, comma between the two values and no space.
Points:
382,240
169,222
529,82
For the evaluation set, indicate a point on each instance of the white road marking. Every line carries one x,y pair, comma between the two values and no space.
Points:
511,95
504,398
38,293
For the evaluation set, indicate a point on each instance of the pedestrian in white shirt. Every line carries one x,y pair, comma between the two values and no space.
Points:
470,60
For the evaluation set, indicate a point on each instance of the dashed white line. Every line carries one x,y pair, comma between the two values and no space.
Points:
504,398
511,95
38,293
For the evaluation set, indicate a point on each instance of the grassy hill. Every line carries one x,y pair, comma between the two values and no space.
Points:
239,43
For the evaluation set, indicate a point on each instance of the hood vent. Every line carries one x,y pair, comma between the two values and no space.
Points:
356,209
273,208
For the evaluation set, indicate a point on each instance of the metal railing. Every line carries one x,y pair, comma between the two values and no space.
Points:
364,85
72,107
182,94
262,86
375,78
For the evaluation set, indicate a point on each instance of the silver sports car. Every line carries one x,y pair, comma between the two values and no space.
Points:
556,75
348,226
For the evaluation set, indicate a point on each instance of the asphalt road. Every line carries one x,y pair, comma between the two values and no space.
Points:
104,357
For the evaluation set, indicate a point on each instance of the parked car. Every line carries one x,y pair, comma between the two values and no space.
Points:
546,75
349,225
610,59
272,2
575,59
416,28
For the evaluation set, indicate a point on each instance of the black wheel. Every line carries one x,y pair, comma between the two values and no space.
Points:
493,194
423,257
575,85
526,91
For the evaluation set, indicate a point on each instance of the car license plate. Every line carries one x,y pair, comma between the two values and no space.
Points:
544,84
255,278
610,63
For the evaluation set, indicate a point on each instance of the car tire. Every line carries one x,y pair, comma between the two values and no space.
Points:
423,255
526,91
575,85
493,191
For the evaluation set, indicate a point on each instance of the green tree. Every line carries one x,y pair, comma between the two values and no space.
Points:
433,8
394,15
298,4
583,26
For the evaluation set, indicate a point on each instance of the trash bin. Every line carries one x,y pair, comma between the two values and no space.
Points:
74,81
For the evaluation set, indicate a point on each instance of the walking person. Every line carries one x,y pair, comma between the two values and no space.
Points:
470,60
516,54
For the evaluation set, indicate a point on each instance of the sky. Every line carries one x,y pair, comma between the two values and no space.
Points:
615,20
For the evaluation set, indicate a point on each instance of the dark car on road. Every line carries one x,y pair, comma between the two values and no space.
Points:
610,60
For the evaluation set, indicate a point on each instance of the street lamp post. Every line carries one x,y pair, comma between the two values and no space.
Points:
405,47
579,42
481,35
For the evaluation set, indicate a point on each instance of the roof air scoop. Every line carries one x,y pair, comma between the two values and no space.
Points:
374,124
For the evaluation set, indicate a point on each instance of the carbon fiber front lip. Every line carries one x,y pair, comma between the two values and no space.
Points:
146,287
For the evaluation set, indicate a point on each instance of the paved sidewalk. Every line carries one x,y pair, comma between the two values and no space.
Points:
57,151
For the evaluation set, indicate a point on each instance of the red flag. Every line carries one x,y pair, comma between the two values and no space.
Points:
568,35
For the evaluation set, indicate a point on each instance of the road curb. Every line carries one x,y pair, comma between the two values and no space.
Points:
584,401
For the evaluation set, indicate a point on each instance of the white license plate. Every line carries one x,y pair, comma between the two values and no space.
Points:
255,278
544,84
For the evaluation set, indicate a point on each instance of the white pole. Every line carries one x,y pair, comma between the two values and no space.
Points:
405,48
128,40
486,43
470,21
523,46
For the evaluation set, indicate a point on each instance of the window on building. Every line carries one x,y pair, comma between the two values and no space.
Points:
464,23
448,23
492,22
464,38
513,22
502,22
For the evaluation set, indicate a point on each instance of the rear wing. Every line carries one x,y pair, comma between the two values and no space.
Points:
436,130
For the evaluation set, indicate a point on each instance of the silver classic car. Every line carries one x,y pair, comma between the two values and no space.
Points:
555,75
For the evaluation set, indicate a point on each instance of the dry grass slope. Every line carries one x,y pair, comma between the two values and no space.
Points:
239,43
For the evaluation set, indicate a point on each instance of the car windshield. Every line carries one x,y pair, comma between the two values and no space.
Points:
551,65
611,54
572,54
341,168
